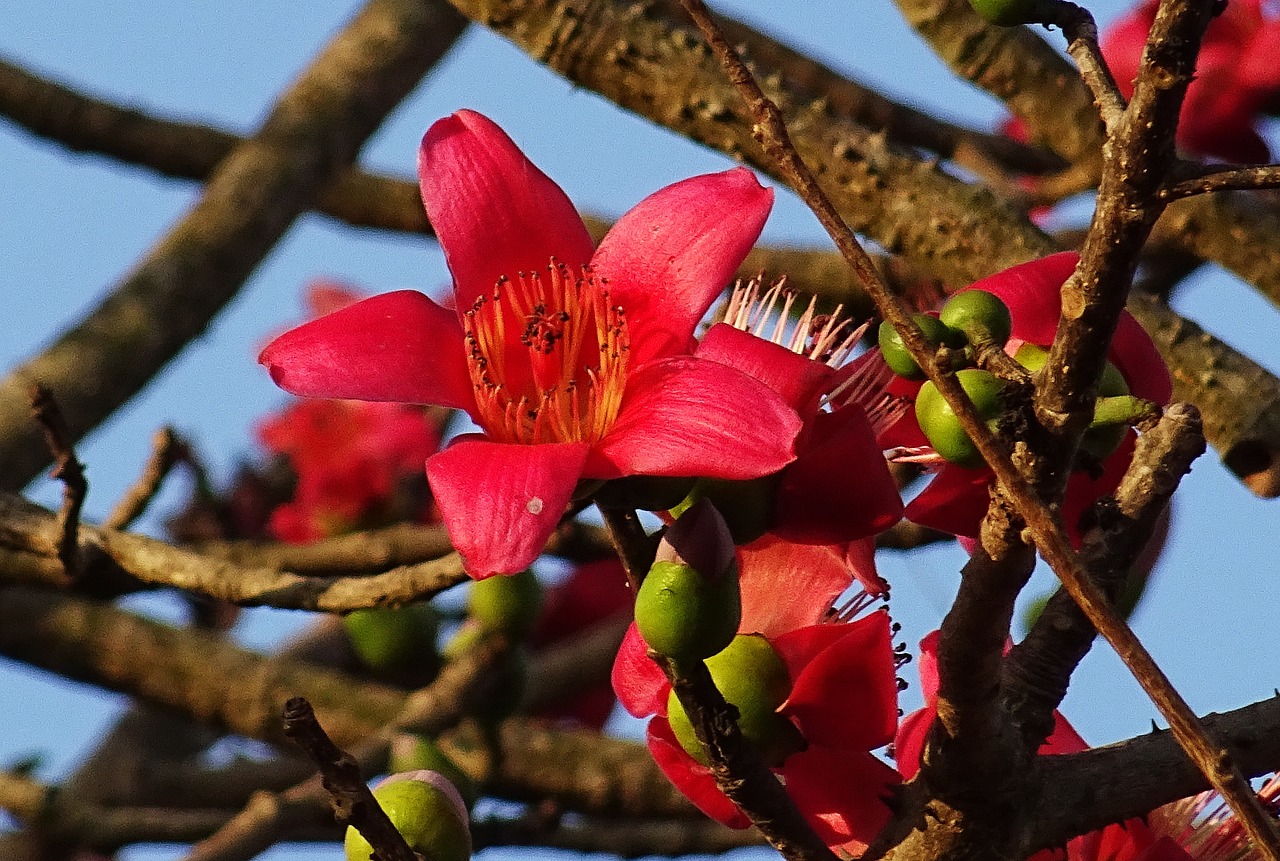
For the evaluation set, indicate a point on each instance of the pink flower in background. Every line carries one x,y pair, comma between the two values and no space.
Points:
843,701
350,458
956,498
1237,77
575,361
830,503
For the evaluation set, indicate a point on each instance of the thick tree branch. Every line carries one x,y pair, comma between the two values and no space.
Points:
1041,88
316,129
1085,791
202,675
1038,670
1238,398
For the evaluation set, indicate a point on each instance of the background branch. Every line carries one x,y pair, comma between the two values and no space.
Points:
316,128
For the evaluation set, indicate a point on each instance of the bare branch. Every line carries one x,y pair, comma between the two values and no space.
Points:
248,204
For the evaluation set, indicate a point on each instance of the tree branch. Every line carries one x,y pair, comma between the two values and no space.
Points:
316,129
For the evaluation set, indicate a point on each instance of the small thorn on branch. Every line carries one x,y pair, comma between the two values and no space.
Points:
353,802
67,469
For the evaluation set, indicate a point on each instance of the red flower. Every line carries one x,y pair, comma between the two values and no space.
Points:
831,502
350,458
1237,77
956,499
573,361
592,593
1126,841
843,701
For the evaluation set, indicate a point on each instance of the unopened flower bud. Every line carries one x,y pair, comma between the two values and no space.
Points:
508,604
413,752
398,643
688,606
751,676
427,811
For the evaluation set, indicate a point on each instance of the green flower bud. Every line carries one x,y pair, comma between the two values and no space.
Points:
412,752
427,811
894,349
751,676
399,643
981,316
688,606
1010,13
508,604
939,423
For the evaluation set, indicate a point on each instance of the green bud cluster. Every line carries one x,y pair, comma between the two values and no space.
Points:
973,319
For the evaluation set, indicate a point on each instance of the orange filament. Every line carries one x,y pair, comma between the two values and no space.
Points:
547,357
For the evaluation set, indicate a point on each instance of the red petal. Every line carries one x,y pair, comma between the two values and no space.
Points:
641,687
393,347
494,211
501,502
799,380
841,794
786,586
685,416
908,745
1064,739
668,258
846,695
860,558
1139,362
839,488
955,501
692,778
927,666
1032,293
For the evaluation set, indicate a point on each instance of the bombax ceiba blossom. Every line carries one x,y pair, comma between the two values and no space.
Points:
575,361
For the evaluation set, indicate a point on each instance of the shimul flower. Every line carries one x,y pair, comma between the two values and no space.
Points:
1237,77
829,504
840,703
352,459
956,498
908,745
594,592
574,361
1199,828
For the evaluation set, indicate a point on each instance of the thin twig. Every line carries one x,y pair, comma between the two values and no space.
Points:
353,803
633,545
1233,179
1082,44
167,451
68,469
1045,529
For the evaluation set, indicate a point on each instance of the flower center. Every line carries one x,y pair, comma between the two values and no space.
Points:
547,355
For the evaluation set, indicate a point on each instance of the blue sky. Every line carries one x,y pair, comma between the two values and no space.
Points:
74,224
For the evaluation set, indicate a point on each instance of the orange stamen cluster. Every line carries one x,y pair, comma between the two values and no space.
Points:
547,355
